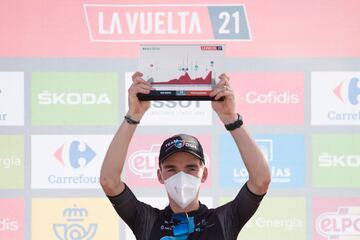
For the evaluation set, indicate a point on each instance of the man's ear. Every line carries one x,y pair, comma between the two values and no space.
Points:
205,175
159,176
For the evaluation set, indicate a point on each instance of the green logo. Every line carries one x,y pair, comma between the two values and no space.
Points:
336,160
74,98
11,162
280,218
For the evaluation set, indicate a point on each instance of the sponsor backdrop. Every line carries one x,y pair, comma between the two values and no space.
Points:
65,67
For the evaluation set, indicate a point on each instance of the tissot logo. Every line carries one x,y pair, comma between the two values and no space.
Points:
343,223
335,98
171,113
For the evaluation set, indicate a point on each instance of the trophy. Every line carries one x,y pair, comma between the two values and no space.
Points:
181,72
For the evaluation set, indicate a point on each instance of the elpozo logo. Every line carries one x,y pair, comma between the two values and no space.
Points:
335,98
144,163
342,224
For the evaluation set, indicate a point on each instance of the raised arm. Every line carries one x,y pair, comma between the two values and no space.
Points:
255,163
110,176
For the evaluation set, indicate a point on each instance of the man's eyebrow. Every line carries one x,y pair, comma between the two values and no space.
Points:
169,166
192,165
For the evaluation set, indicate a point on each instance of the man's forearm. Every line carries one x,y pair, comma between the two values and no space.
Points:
255,163
110,176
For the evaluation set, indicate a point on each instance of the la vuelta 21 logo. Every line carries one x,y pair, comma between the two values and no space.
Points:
343,224
166,22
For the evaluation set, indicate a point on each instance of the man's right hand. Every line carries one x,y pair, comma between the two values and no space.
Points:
137,108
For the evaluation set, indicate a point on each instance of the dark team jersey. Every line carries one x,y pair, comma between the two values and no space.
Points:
149,223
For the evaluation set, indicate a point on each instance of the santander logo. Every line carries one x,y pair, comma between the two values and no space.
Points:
348,91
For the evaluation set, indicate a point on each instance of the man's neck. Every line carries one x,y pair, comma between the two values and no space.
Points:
194,205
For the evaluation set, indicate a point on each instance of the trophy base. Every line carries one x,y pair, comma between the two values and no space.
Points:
161,95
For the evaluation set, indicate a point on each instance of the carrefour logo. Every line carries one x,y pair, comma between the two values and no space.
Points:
75,154
348,91
335,98
343,223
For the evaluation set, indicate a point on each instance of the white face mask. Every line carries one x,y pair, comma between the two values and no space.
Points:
182,188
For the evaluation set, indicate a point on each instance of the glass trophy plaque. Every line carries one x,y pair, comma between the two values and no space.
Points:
181,72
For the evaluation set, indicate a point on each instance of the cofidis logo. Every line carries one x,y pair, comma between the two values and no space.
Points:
143,160
74,98
71,218
336,218
11,219
172,113
270,98
67,161
11,98
335,98
286,163
11,162
336,160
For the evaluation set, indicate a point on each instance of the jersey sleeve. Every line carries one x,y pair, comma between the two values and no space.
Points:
234,215
139,216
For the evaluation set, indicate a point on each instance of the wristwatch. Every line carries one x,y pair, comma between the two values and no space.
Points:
238,123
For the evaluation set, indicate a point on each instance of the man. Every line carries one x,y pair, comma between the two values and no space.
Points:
182,169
